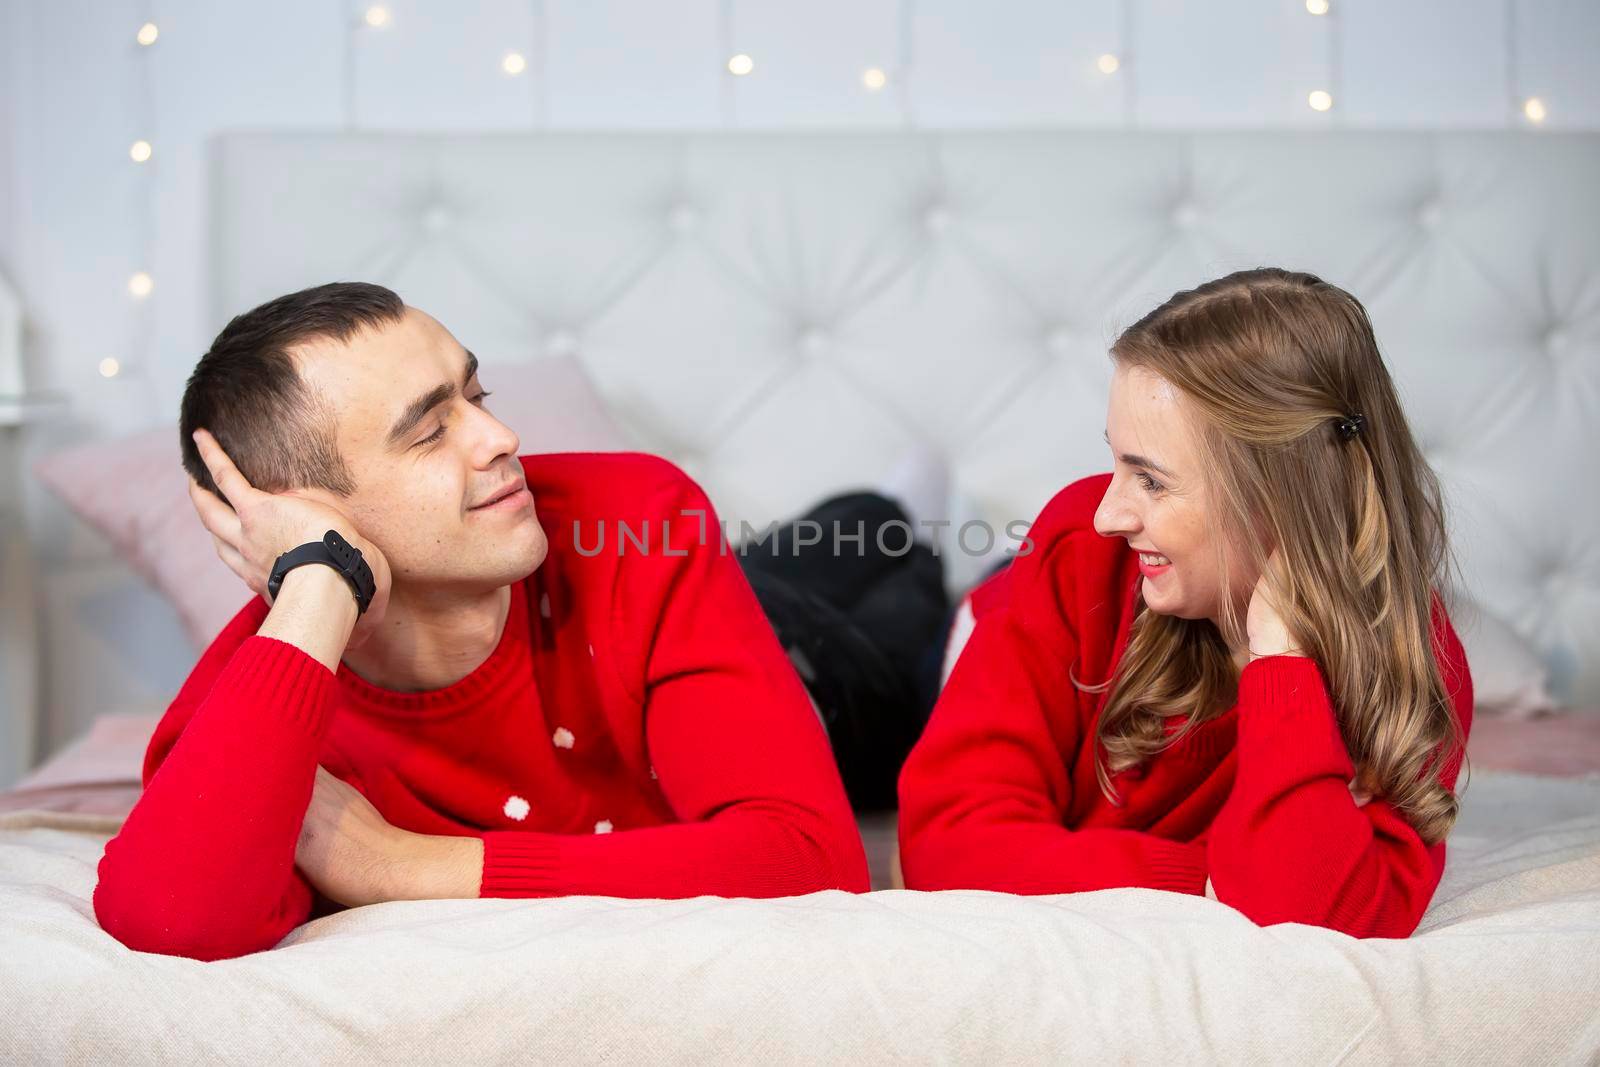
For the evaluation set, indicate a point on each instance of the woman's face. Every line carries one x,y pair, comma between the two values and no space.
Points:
1157,500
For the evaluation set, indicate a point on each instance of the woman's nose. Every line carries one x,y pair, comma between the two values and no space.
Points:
1113,518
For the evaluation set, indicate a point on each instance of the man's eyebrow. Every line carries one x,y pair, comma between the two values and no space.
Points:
418,409
1134,460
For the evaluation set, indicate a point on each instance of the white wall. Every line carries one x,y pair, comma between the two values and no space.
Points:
10,78
18,676
77,217
87,91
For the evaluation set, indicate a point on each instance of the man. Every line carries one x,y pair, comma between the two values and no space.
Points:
480,703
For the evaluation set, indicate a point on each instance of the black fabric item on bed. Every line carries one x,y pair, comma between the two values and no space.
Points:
862,624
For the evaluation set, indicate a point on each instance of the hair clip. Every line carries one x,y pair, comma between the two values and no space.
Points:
1350,425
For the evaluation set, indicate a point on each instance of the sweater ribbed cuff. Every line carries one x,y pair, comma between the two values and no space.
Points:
1287,720
1179,869
282,677
518,864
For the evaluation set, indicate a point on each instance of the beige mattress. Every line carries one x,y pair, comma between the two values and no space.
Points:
1503,969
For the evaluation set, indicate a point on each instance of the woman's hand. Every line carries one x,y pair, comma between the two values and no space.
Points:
346,849
1270,637
251,529
1264,627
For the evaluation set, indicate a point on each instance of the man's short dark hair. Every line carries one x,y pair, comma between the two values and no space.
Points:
248,393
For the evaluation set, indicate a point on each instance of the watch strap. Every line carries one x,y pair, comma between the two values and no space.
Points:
333,551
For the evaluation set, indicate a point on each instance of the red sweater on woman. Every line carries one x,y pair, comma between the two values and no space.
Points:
637,732
1000,793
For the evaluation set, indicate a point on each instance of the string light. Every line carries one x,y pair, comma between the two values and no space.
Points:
1320,100
140,282
514,63
1317,7
874,79
740,65
109,367
1533,108
377,16
1108,63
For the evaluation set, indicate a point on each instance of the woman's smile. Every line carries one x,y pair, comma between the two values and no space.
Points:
1153,564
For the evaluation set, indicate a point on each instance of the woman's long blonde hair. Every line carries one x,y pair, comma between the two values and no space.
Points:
1268,361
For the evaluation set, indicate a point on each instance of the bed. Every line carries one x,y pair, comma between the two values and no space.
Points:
1502,967
719,291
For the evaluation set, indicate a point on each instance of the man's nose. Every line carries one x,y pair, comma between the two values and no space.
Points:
498,439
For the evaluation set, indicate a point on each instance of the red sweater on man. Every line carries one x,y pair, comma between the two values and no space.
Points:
637,732
1000,793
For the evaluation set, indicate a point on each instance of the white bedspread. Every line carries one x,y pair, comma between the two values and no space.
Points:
1506,967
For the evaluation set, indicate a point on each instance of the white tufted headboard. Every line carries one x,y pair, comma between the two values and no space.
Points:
786,315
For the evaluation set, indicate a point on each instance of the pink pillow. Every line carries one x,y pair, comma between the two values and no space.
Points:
110,753
553,405
134,491
1563,743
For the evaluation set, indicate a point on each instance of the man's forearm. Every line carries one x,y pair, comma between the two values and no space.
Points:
315,611
436,867
200,866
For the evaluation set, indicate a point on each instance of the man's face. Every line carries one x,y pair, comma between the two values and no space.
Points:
426,457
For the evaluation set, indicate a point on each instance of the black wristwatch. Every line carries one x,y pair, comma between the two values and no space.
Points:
337,553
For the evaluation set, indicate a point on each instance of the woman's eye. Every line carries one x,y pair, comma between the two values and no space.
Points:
1149,483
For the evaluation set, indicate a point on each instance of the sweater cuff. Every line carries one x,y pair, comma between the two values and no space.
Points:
296,686
1287,720
519,863
1182,869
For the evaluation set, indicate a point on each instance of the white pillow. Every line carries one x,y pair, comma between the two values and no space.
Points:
961,627
1508,676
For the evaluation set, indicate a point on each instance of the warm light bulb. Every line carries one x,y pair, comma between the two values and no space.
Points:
109,368
514,63
1108,63
1534,109
141,284
873,78
147,34
139,151
377,16
741,64
1317,7
1320,100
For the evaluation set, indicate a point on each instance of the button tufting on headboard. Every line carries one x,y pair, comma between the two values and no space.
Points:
847,300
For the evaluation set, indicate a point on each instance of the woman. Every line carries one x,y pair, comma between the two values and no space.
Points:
1222,668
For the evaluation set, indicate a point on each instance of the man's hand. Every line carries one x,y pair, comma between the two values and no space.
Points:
354,856
346,849
252,529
